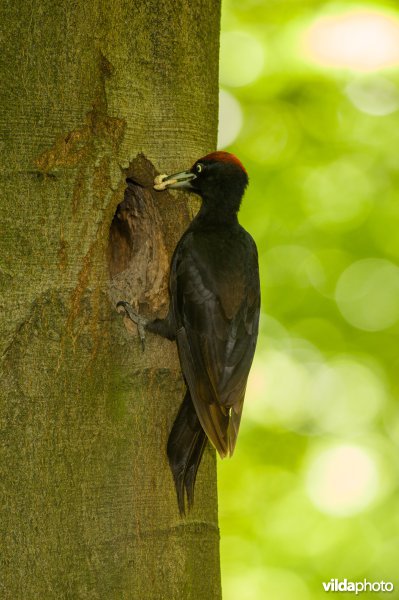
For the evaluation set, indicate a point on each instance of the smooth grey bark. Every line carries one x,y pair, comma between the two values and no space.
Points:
88,507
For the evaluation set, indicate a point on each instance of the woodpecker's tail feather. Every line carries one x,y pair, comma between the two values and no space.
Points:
186,444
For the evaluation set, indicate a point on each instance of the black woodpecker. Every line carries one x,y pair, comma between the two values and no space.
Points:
213,315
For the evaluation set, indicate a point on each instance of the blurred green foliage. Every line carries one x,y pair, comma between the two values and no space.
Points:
312,493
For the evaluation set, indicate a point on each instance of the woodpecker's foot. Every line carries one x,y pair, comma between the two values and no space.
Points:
141,322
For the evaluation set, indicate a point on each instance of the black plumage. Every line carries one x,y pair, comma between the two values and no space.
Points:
213,316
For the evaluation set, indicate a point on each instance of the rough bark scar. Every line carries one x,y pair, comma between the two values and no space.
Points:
73,148
138,257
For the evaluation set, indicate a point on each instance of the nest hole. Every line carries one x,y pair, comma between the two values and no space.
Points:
137,256
126,231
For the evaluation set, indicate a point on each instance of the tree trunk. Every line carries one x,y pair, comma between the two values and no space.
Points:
87,499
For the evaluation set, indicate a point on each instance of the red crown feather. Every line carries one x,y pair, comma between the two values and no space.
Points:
223,157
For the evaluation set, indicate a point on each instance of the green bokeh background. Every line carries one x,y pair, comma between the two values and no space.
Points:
312,491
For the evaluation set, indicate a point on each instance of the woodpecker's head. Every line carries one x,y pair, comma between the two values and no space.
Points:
216,176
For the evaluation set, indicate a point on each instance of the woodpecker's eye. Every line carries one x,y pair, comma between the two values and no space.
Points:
198,168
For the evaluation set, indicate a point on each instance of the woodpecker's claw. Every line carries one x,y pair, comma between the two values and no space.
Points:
141,322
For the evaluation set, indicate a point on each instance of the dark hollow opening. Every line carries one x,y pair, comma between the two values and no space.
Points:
137,256
124,234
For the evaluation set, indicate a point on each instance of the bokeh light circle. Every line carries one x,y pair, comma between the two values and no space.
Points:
291,386
343,480
230,119
241,58
377,96
346,396
367,294
338,196
362,40
274,136
293,265
278,385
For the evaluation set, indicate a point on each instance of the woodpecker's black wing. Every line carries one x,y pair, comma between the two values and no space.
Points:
216,299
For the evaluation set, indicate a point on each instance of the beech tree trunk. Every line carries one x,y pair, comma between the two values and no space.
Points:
94,92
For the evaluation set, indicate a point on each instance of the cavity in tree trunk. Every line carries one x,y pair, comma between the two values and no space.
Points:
94,92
